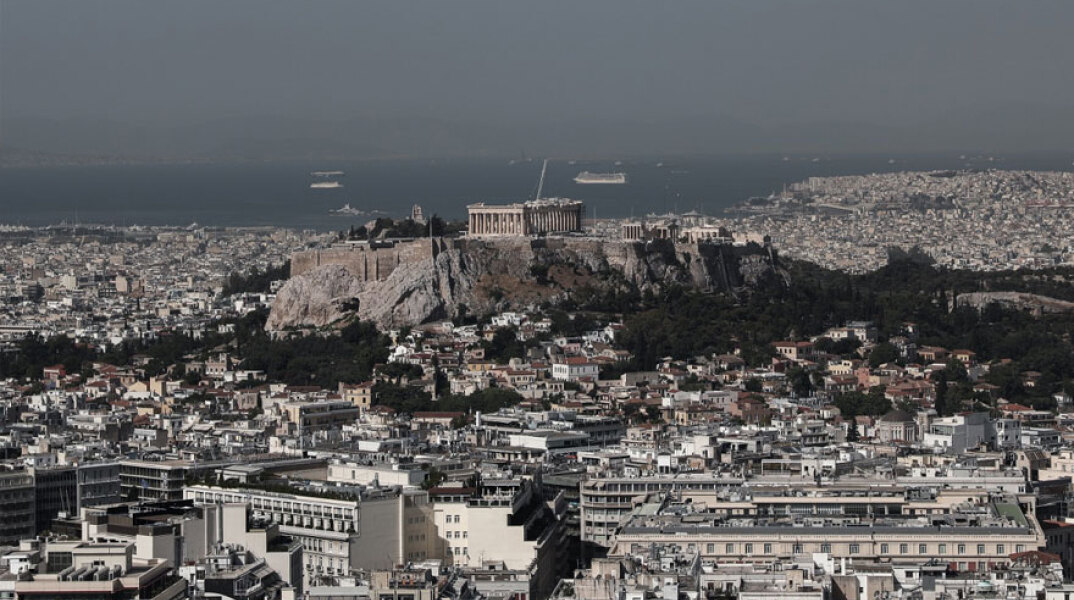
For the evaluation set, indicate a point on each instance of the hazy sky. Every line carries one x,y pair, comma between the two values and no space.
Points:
942,72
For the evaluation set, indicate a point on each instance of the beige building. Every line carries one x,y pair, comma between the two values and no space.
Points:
312,416
976,538
76,569
184,536
358,394
382,474
504,522
547,215
897,426
383,528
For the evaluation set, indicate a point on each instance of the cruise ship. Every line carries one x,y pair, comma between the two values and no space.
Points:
327,173
586,177
326,185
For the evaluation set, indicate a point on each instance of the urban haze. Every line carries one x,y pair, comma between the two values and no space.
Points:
551,300
247,79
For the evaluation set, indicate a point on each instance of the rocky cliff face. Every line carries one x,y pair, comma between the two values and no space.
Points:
480,276
1033,303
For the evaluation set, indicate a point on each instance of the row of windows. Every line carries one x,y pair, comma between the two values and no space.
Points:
319,563
315,544
457,534
748,548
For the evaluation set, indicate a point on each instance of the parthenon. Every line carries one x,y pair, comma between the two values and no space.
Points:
547,215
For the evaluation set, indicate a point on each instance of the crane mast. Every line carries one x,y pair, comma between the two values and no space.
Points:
540,183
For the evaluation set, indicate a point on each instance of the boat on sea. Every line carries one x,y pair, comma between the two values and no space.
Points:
325,185
327,173
347,209
585,177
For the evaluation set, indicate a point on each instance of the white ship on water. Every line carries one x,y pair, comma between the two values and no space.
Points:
585,177
327,173
347,209
325,185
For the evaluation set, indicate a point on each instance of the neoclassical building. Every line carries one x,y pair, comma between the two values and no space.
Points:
547,215
897,425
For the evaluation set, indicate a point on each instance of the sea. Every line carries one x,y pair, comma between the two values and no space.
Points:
279,194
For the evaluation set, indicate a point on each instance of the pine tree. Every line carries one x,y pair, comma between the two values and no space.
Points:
941,395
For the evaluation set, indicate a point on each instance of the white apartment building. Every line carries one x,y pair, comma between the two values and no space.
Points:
575,368
960,432
505,521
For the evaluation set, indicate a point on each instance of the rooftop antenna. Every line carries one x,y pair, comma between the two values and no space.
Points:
540,183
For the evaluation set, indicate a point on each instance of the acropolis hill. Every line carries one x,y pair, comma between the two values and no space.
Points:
417,281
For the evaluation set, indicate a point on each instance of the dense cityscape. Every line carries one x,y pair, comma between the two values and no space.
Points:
979,220
483,300
160,443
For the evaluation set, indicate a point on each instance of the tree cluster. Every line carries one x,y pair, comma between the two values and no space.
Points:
256,281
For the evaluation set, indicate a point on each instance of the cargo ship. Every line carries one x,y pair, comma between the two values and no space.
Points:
325,185
585,177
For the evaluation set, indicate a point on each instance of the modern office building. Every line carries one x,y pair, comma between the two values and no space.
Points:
17,508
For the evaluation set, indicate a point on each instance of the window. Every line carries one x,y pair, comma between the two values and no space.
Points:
749,548
768,548
962,548
980,549
855,548
465,533
729,548
922,548
1000,549
710,548
904,548
826,548
943,548
1020,548
883,548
